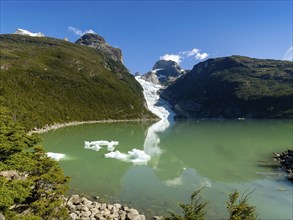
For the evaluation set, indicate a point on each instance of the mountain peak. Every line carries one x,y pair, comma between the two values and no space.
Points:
91,39
98,42
164,72
163,64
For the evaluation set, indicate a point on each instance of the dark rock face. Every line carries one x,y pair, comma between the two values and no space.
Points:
98,42
164,72
286,160
234,87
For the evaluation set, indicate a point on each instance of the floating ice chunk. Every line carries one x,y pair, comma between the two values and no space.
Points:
138,154
117,155
96,145
134,156
55,156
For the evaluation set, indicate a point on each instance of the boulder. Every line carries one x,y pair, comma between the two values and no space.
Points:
72,215
74,199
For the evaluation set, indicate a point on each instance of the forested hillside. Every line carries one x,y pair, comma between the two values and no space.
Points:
46,80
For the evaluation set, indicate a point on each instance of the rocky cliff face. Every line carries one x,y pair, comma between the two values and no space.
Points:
98,42
164,72
234,87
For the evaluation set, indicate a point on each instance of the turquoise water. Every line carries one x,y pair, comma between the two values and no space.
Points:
221,155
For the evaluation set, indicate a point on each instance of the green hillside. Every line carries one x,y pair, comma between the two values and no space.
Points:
46,80
233,87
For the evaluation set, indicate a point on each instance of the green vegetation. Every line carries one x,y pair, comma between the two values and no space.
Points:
242,210
196,209
31,184
234,87
46,81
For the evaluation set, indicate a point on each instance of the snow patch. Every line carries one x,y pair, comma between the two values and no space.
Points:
55,156
28,33
156,70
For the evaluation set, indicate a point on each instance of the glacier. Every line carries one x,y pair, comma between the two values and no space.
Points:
163,110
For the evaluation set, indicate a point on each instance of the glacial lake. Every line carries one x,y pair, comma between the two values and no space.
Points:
223,156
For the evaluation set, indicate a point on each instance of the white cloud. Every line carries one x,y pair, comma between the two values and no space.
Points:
184,54
201,56
174,57
79,32
190,52
289,54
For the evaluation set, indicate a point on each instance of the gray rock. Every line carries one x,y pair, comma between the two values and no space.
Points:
86,213
94,211
98,42
12,175
71,207
133,211
2,217
103,206
80,207
139,217
73,216
117,205
122,217
100,217
110,207
114,210
132,216
85,209
107,212
96,205
158,218
87,202
74,199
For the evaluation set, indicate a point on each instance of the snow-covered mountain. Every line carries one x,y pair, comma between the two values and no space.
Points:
164,72
28,33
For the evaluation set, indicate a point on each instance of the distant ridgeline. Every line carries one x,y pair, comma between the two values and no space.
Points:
234,87
46,80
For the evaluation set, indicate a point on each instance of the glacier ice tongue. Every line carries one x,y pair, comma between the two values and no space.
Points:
159,107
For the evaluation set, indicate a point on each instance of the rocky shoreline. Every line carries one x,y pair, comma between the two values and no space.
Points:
85,209
286,160
47,128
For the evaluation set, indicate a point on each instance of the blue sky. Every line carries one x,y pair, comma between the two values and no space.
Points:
148,30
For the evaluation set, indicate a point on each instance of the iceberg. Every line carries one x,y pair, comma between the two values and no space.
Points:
55,156
96,145
28,33
135,156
